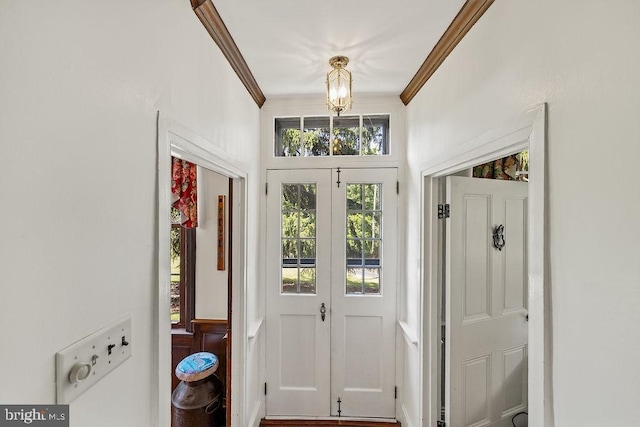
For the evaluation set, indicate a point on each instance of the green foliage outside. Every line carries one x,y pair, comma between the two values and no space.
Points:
299,232
345,140
308,281
175,267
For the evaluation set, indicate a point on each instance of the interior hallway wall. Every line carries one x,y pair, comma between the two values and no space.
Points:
581,57
81,83
211,283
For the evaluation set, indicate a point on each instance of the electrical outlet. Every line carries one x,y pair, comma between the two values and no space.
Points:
85,362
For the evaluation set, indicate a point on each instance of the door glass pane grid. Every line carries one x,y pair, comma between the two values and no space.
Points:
298,238
363,239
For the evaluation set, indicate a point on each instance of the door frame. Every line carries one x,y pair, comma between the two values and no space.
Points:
177,140
396,278
528,131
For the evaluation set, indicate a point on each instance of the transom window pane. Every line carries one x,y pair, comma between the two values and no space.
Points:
298,236
346,136
316,133
288,137
356,135
375,135
363,239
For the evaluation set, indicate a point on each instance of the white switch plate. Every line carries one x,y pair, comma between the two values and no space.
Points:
91,359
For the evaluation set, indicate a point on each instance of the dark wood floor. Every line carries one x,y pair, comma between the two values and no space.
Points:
327,423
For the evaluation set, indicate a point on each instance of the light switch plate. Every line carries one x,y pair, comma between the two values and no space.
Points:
84,363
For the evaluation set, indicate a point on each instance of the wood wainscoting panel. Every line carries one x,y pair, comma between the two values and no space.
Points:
210,335
181,343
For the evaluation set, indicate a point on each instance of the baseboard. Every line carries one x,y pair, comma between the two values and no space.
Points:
256,415
327,423
406,420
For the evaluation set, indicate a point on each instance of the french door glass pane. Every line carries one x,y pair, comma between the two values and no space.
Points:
354,280
290,197
290,280
298,237
371,225
372,281
307,224
307,197
363,239
307,280
371,196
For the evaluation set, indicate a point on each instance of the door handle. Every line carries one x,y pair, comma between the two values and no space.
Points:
323,311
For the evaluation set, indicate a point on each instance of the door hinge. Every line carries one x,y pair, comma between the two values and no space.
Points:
444,211
397,187
266,188
395,393
265,389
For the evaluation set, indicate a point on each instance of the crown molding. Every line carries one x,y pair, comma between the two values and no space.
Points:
468,15
218,31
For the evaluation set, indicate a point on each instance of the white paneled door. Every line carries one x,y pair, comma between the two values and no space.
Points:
486,312
331,292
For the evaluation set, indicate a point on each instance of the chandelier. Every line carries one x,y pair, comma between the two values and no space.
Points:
339,96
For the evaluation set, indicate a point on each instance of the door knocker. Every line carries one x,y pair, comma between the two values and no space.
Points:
498,237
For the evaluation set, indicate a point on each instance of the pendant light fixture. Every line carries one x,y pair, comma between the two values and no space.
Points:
339,97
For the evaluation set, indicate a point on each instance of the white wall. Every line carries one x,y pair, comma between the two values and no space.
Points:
80,85
581,57
211,284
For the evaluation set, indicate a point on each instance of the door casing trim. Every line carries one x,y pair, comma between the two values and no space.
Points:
528,131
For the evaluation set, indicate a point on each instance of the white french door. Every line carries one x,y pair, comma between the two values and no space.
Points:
331,292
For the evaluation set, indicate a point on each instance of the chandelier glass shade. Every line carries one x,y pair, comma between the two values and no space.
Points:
339,97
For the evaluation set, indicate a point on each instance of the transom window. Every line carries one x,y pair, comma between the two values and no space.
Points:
356,135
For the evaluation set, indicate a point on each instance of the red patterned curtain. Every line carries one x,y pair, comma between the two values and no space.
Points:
184,191
505,168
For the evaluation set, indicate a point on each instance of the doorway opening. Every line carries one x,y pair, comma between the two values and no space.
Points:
201,289
225,328
525,133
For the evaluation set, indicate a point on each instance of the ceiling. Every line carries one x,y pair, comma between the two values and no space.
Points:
287,43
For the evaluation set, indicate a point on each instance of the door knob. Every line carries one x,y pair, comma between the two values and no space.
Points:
323,311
